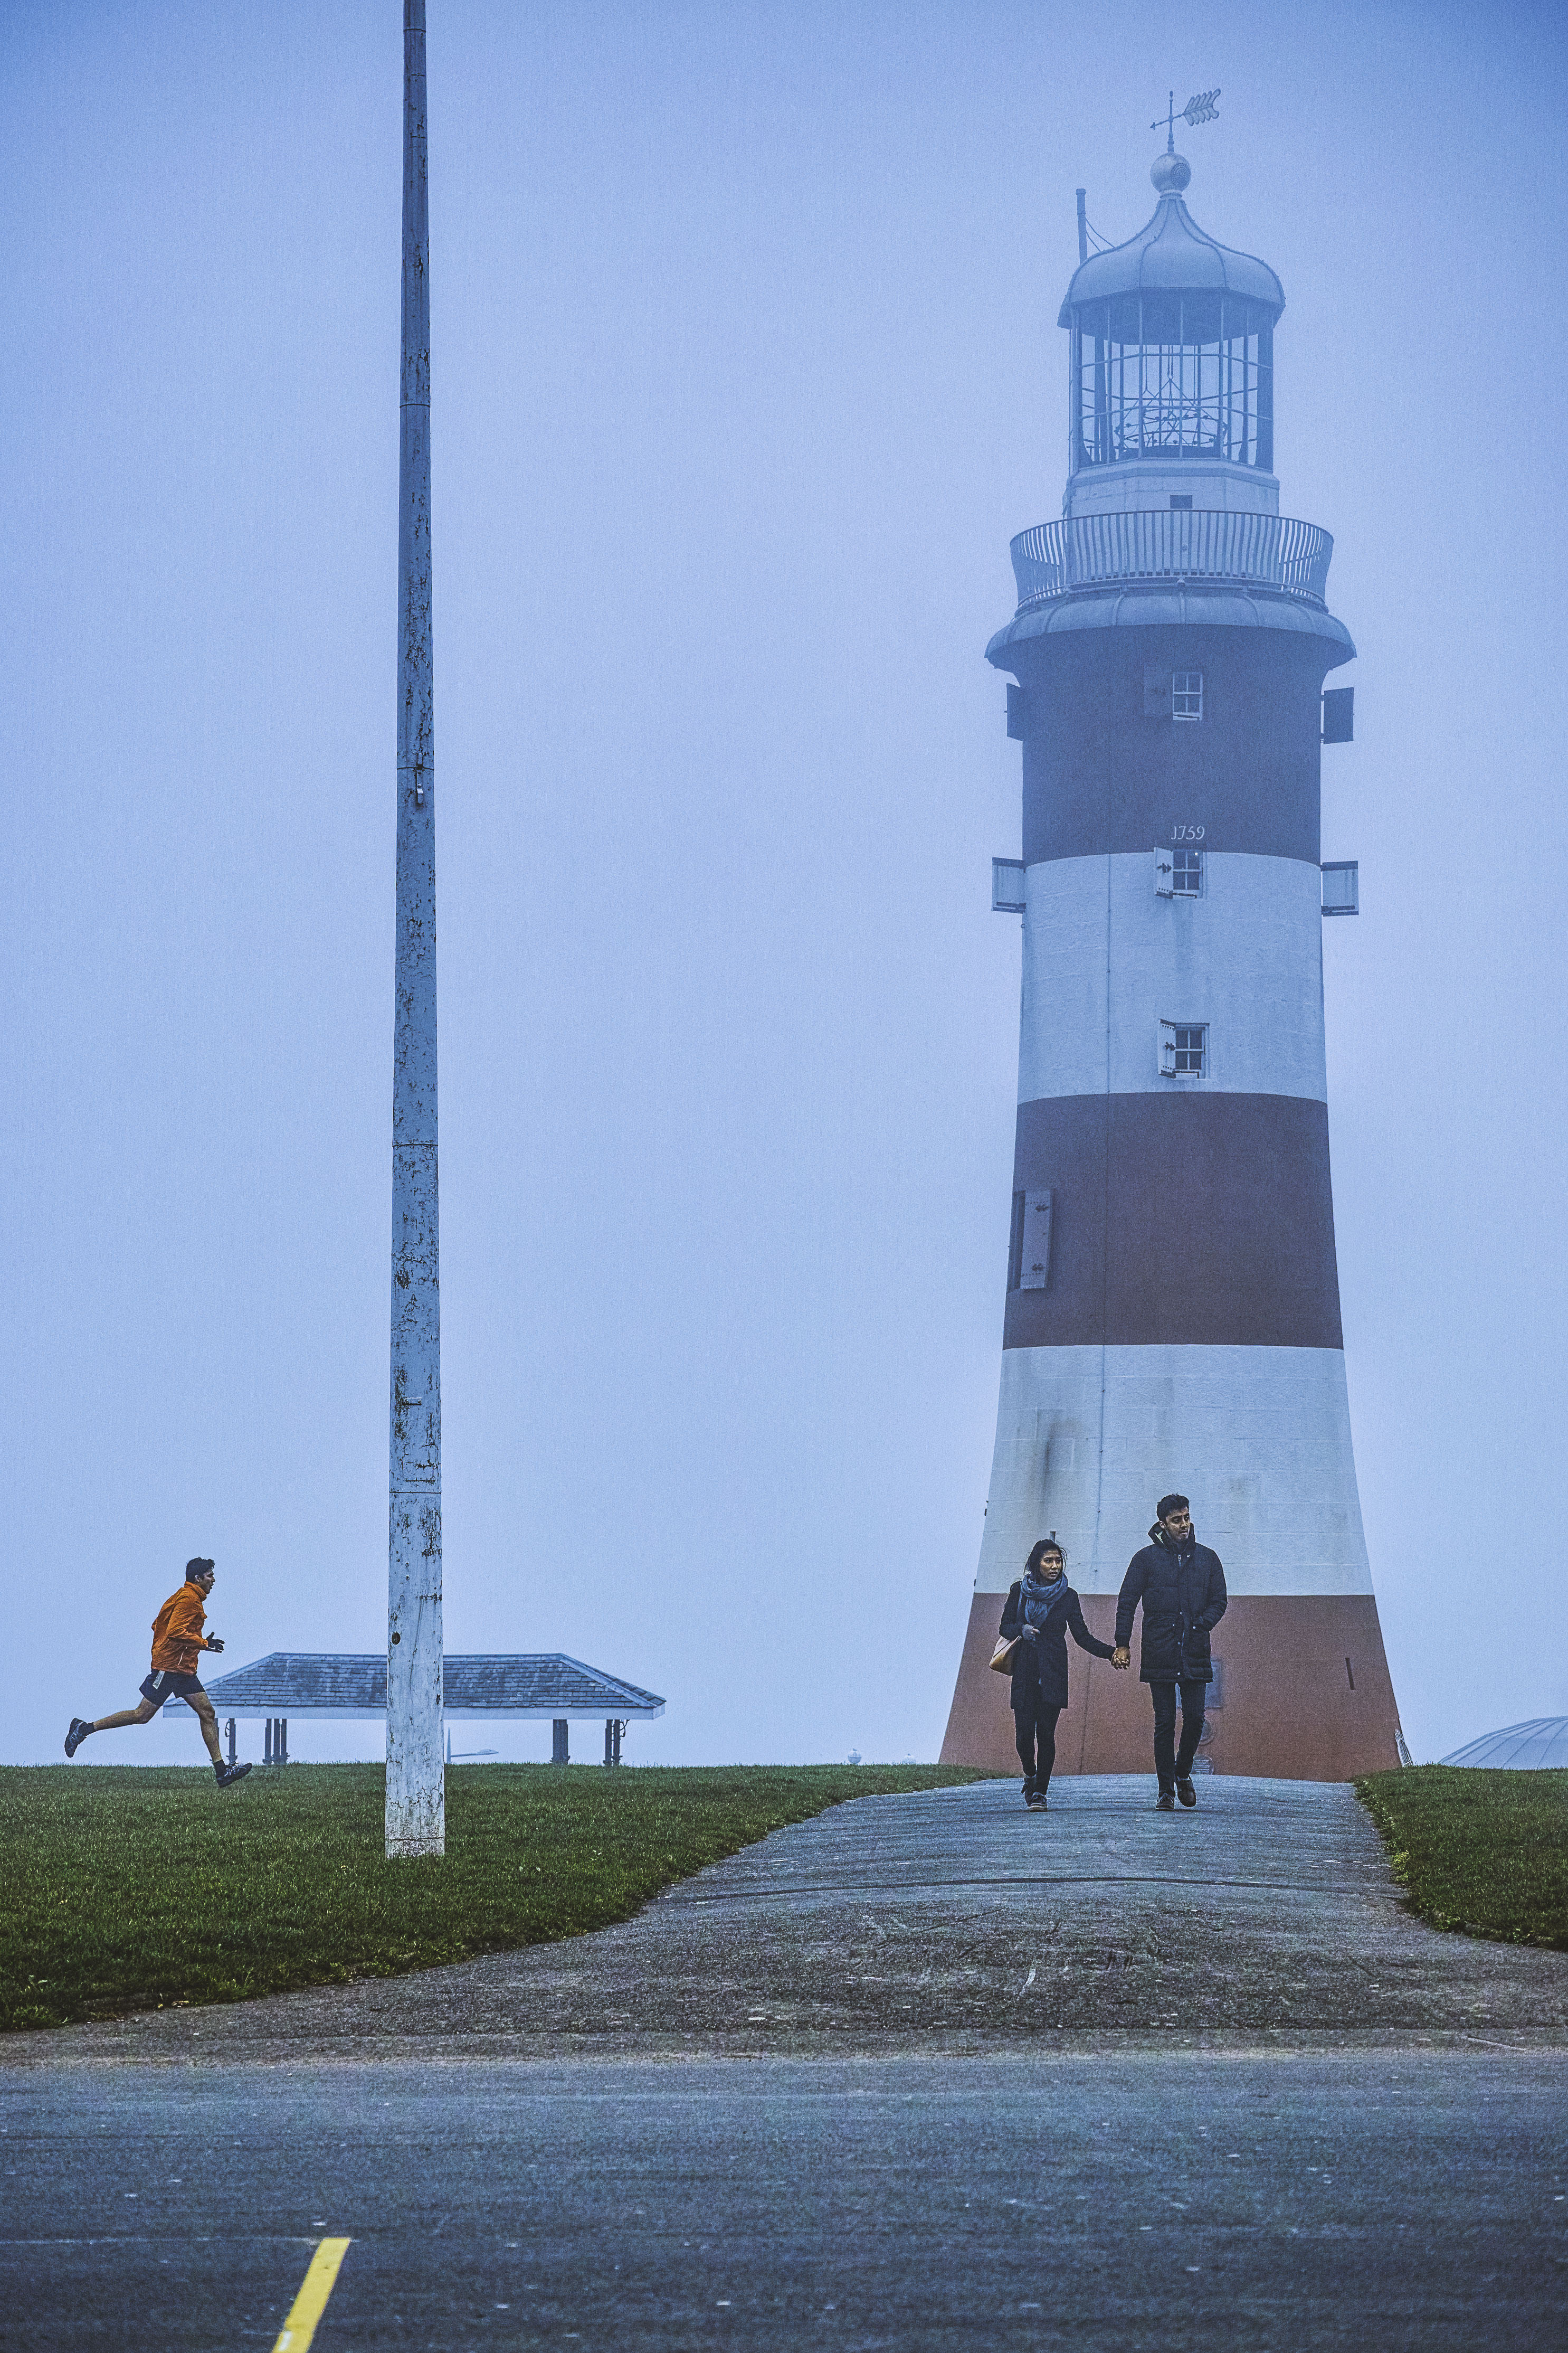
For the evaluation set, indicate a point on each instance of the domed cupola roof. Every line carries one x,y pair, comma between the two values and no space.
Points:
1171,255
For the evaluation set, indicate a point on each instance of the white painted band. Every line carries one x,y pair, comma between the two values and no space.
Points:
1087,1440
1106,960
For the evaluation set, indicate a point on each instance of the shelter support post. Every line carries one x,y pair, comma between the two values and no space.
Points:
559,1741
233,1746
613,1730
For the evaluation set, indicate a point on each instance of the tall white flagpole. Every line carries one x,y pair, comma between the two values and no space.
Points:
416,1772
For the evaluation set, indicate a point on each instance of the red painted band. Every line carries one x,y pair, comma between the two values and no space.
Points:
1180,1218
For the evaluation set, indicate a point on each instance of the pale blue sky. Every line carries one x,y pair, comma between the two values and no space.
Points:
745,369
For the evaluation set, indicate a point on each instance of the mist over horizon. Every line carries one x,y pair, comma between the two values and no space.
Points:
745,370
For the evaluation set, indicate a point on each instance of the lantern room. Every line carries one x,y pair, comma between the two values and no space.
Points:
1172,369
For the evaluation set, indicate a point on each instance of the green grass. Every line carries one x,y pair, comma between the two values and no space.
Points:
128,1888
1482,1852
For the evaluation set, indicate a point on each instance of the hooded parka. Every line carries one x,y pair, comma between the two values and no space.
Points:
1181,1588
1042,1663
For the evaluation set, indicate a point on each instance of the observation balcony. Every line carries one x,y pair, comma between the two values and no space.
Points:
1174,548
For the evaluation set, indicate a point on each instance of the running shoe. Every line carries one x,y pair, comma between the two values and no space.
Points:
1185,1791
76,1735
227,1775
1038,1802
1165,1803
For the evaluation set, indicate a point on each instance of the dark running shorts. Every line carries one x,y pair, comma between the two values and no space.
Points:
164,1684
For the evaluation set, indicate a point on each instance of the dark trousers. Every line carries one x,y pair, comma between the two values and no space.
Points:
1175,1768
1035,1726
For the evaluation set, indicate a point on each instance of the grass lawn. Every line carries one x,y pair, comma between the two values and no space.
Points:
1483,1852
126,1887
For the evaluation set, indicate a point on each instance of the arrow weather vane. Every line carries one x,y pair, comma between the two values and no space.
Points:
1201,109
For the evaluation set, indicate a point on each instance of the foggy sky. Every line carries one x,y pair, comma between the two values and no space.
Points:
745,369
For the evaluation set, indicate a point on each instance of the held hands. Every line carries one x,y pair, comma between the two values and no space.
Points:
1122,1656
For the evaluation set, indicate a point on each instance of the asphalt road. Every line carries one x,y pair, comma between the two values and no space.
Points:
1119,2198
928,2073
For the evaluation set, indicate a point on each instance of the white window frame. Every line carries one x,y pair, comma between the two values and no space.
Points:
1169,1035
1187,686
1180,889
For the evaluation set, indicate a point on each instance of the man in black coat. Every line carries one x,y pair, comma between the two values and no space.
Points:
1180,1584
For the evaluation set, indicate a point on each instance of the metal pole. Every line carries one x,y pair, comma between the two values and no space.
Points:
416,1776
1082,229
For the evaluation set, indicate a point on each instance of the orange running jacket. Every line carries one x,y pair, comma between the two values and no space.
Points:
177,1639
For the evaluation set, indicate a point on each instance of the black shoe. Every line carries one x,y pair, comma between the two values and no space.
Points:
1185,1789
1037,1801
1164,1803
76,1735
1028,1792
227,1775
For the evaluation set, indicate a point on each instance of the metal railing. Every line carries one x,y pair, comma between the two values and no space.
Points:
1187,543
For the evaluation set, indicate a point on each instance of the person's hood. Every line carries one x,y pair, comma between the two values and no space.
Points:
1158,1535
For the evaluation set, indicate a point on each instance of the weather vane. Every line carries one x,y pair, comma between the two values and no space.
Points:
1201,109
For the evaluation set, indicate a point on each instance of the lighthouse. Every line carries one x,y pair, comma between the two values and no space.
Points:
1172,1312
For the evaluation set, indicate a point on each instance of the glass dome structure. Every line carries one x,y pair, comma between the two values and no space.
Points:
1541,1745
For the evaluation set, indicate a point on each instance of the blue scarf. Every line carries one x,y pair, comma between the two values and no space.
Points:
1035,1601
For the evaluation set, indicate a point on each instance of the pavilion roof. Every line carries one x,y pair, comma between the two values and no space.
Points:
487,1684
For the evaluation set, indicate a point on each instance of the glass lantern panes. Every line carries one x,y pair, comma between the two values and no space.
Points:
1175,374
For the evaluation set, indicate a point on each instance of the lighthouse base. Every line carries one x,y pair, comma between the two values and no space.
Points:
1304,1695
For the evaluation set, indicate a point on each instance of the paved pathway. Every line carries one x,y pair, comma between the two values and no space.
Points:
952,1920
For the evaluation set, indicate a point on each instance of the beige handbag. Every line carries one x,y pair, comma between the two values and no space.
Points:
1002,1656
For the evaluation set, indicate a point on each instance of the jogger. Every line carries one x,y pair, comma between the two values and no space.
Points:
178,1641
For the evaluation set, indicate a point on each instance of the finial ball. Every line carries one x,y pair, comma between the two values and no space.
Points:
1170,173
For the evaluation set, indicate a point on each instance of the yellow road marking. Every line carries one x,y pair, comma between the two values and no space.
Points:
307,2306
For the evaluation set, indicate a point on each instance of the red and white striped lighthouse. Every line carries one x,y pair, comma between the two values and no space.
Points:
1172,1312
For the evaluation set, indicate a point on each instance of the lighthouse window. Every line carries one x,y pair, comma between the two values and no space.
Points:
1192,1049
1186,873
1187,694
1184,1049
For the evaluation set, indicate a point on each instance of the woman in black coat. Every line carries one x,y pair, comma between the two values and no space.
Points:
1041,1609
